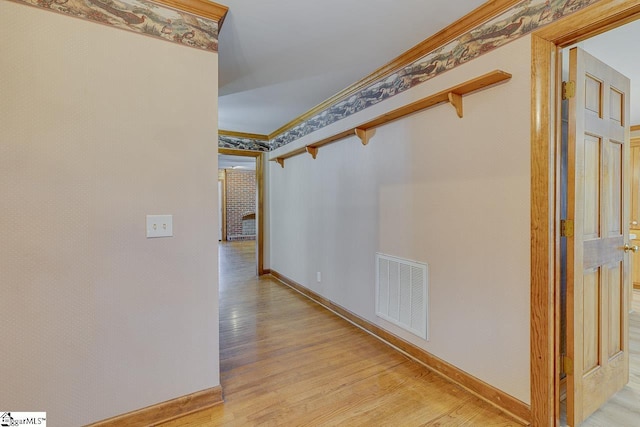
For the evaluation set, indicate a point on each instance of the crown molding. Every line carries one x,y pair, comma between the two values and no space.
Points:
488,27
461,26
234,134
206,9
196,23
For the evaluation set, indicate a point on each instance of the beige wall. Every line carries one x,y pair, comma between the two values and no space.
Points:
454,193
99,127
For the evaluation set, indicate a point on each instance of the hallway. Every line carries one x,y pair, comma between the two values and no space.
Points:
287,361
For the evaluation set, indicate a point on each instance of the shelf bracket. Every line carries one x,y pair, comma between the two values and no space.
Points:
365,134
365,131
456,100
313,151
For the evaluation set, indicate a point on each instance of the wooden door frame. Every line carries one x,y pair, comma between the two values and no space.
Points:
223,180
545,238
260,170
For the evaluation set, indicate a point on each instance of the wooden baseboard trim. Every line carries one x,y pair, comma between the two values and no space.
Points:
265,271
636,286
166,411
518,410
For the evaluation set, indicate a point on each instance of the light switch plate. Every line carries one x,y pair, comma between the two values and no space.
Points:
159,225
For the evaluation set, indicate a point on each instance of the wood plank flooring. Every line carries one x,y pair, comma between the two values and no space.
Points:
288,361
623,409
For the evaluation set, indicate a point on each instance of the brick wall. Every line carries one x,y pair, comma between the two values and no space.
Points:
241,200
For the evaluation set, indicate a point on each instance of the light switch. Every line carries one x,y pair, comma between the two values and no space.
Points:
159,225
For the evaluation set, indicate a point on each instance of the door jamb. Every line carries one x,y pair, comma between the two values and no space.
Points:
223,180
260,170
545,82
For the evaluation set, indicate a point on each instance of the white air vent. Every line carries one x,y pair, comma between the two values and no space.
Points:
402,295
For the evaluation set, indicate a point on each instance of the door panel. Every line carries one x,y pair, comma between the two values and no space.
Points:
590,319
616,105
616,285
593,95
613,175
591,196
598,202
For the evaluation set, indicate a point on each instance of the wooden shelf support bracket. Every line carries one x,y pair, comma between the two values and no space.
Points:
366,130
313,151
365,134
456,100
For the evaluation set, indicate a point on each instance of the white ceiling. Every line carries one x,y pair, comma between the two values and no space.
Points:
280,58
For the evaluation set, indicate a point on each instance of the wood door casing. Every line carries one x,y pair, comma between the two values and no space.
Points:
598,202
546,43
634,220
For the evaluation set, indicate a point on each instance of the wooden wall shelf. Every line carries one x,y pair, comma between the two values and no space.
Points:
366,130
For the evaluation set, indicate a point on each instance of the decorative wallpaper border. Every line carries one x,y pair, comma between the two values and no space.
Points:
521,19
140,16
226,141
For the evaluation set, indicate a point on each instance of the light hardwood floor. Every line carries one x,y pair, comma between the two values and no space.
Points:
623,409
287,361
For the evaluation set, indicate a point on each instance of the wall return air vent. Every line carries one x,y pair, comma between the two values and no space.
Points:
402,295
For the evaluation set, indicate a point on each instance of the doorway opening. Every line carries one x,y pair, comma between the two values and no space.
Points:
547,44
605,47
241,209
594,289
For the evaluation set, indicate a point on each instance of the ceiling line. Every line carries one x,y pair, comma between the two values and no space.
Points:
461,26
